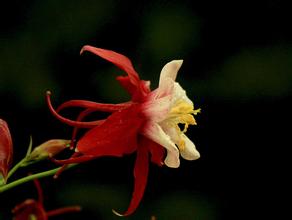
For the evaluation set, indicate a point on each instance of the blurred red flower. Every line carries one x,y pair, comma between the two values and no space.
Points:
32,209
6,150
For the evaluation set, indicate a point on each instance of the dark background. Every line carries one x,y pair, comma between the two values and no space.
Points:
237,68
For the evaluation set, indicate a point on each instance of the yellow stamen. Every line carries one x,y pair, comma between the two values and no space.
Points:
181,144
182,112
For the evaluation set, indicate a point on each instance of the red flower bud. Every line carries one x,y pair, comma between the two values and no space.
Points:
6,149
47,149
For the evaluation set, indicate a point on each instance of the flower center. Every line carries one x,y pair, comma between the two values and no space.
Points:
182,112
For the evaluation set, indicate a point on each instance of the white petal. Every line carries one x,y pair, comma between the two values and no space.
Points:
154,132
171,132
180,94
157,109
169,71
166,89
190,152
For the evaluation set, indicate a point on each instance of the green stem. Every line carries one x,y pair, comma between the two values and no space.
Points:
15,168
20,163
31,177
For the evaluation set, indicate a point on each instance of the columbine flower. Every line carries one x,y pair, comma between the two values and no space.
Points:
6,150
148,124
32,209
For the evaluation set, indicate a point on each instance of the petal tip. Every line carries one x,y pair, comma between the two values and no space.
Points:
48,93
85,48
196,156
191,155
171,163
118,214
179,61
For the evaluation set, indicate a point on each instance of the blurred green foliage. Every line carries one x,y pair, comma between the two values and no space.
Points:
103,198
164,32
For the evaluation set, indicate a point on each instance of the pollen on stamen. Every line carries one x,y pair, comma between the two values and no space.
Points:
195,112
185,128
181,144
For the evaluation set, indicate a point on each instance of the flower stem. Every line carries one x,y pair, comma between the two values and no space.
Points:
15,168
31,177
20,163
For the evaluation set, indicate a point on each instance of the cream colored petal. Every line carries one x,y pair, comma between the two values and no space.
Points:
180,94
157,109
170,131
170,70
169,73
166,89
154,132
190,152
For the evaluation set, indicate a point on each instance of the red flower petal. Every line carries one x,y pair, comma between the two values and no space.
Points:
80,117
6,149
126,84
119,60
73,123
93,105
141,170
90,107
132,83
157,152
137,93
116,136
